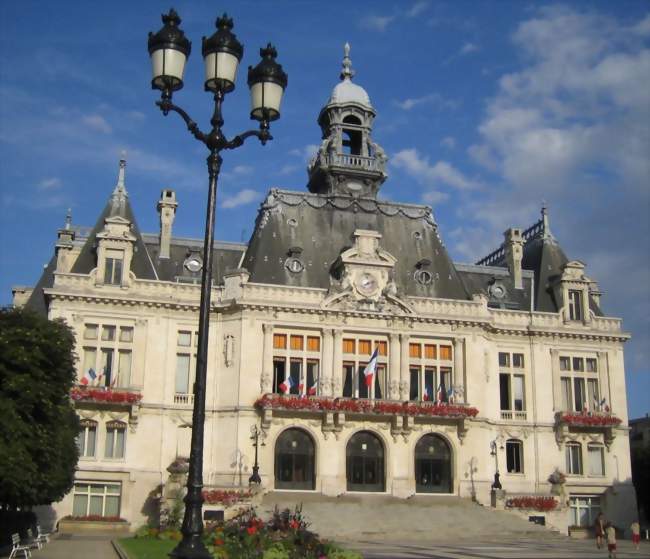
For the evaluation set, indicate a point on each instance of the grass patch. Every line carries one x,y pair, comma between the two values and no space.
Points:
147,548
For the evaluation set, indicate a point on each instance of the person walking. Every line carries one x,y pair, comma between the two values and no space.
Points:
599,529
636,534
610,532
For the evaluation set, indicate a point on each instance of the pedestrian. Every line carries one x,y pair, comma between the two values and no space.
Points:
599,529
610,532
636,534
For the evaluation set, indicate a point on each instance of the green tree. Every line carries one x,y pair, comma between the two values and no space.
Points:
38,424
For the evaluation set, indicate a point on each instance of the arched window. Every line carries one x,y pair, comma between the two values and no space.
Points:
351,119
294,460
87,438
433,465
352,137
115,439
574,459
514,456
365,463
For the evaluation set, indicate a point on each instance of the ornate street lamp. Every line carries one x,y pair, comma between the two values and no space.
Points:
222,52
256,435
496,484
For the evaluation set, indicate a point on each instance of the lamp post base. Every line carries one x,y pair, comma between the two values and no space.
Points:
191,548
255,478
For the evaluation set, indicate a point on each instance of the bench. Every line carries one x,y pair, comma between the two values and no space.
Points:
16,547
42,537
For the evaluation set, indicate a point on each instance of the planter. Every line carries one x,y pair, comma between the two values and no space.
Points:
69,526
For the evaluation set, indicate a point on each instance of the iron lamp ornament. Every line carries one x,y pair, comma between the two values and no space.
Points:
169,50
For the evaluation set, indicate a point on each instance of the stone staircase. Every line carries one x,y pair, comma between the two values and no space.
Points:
382,517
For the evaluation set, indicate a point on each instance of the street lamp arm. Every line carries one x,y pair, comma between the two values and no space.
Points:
166,105
262,134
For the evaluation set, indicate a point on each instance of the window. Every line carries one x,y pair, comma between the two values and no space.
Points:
430,368
107,361
115,438
579,383
113,267
296,366
596,460
185,367
584,509
87,438
574,459
356,355
96,499
514,456
511,385
575,304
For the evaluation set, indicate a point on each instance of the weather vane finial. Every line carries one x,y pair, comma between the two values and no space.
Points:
347,72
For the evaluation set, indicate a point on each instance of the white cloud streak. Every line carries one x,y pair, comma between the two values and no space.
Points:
431,175
243,197
376,23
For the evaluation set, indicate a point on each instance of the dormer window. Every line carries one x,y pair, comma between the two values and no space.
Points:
575,304
113,267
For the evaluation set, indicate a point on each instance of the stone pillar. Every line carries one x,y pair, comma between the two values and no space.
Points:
404,382
327,367
337,366
266,380
460,376
393,367
555,380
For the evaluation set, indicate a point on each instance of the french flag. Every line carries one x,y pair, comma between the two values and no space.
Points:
371,367
287,385
425,395
89,377
312,389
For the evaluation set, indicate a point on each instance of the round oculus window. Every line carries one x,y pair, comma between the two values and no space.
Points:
193,264
497,290
423,277
367,284
294,265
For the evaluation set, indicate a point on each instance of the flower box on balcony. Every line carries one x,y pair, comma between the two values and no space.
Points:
594,419
108,395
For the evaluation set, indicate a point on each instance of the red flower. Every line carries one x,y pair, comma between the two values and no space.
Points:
251,530
294,524
594,420
532,502
104,395
218,541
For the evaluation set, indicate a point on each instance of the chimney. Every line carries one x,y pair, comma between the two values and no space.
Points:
167,210
64,245
514,249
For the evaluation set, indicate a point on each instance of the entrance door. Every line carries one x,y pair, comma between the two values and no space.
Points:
365,463
433,465
294,461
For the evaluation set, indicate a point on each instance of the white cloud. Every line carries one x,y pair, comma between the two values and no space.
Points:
435,197
306,152
288,169
51,183
98,123
434,99
449,142
468,48
376,23
242,170
243,197
417,8
440,173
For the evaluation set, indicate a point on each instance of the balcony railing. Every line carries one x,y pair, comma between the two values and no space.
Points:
507,415
182,399
348,160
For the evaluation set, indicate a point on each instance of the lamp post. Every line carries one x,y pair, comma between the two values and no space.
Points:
256,435
493,451
222,52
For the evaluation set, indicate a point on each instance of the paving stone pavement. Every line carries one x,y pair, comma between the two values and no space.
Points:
77,546
537,548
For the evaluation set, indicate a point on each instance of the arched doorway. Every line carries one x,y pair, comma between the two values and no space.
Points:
433,465
365,463
294,461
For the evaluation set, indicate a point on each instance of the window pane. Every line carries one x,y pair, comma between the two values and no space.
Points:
504,391
579,393
108,271
578,364
80,505
90,332
348,346
518,360
383,348
96,505
120,436
312,378
566,394
504,359
106,368
296,376
430,351
113,489
348,372
124,369
81,442
297,343
380,383
429,384
592,394
182,374
108,333
596,465
518,392
313,343
112,506
363,389
565,364
445,377
414,389
365,347
280,341
90,441
90,361
184,338
278,375
592,366
126,334
445,352
110,438
415,350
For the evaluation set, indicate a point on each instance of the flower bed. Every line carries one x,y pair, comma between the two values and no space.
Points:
542,504
276,401
79,393
94,518
589,420
225,497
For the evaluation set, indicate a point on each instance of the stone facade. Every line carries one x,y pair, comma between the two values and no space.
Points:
504,364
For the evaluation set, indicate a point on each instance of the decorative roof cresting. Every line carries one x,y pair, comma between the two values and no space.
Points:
346,91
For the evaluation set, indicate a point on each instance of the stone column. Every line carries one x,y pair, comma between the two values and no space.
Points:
337,366
404,383
327,366
555,380
393,367
460,375
266,381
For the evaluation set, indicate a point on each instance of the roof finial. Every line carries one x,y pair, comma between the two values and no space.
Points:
546,229
347,72
68,219
118,198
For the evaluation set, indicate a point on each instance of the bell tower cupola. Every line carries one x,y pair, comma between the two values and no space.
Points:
348,161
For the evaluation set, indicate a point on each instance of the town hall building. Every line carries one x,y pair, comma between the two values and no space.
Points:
506,366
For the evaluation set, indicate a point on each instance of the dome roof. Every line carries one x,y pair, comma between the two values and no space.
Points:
348,92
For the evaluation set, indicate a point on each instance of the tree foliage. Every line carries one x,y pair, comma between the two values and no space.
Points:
38,424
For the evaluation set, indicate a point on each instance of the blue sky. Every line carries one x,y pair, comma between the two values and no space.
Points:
484,108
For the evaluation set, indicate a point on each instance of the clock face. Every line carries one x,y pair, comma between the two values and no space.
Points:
193,264
367,284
